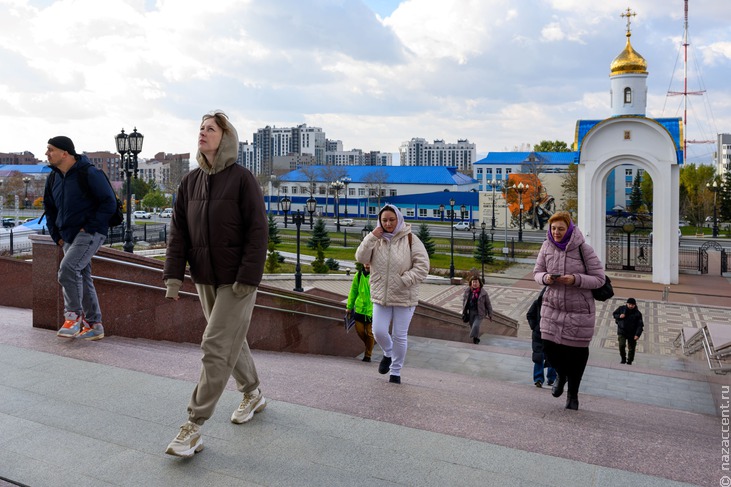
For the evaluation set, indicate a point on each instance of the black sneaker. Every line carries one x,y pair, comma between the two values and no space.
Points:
385,365
539,384
396,379
366,359
557,389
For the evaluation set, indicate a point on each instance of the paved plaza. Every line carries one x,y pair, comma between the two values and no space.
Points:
101,413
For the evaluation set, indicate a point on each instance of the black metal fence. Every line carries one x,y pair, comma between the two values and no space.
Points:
16,240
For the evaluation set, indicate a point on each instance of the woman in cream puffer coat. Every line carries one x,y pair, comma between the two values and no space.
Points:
568,310
399,262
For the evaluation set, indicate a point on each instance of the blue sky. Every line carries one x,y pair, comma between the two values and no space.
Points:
372,73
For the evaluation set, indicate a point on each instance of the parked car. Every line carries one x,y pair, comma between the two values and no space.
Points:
347,222
166,213
462,226
8,222
142,215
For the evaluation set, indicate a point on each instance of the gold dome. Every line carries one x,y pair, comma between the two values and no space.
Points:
629,61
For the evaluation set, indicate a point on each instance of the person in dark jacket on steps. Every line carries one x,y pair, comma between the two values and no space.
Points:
77,217
629,329
219,227
539,359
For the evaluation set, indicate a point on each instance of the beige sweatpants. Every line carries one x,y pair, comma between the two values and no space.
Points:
225,349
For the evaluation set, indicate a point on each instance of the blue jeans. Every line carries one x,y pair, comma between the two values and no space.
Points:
538,372
74,275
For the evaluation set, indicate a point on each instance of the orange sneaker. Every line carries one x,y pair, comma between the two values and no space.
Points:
71,327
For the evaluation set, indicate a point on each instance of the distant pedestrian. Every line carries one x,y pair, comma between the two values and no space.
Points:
629,329
539,359
477,303
77,217
219,228
360,308
399,262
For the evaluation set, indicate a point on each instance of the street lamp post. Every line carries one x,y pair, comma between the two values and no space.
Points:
714,187
311,204
441,211
337,186
346,182
483,239
451,240
128,147
26,181
474,232
286,206
298,219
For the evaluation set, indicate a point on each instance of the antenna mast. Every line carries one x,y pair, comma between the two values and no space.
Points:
685,91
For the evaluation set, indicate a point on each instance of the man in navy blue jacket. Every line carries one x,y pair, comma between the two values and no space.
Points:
77,217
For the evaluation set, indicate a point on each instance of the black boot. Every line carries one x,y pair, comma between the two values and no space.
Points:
385,365
557,389
395,379
572,401
623,361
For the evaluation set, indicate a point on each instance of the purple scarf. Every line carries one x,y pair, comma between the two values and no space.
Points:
565,240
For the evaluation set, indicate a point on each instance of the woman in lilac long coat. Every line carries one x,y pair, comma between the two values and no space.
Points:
568,312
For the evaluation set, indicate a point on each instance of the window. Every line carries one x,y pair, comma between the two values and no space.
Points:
393,193
499,171
284,189
410,212
436,213
294,189
488,173
508,171
479,171
628,184
627,95
422,213
322,190
351,191
628,172
361,191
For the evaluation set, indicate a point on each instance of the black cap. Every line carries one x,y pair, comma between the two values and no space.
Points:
631,301
64,143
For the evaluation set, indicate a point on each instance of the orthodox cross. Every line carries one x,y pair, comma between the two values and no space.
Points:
629,14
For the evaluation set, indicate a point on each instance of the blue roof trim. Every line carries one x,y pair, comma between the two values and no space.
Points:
549,158
26,168
395,174
674,126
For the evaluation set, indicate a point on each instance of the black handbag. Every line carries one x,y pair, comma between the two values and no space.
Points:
466,312
606,291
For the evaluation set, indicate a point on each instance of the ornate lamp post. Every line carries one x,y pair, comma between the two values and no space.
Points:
286,206
474,232
520,188
494,184
346,181
462,212
298,219
441,211
311,205
451,240
128,147
336,187
483,239
26,181
714,187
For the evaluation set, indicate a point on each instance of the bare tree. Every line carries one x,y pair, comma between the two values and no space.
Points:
570,186
376,182
329,174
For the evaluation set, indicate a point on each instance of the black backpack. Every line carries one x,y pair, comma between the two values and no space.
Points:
118,216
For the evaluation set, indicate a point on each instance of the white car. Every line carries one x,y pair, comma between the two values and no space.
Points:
462,226
142,215
347,222
166,213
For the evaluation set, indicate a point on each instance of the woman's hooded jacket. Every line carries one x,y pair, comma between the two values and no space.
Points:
568,312
219,223
398,264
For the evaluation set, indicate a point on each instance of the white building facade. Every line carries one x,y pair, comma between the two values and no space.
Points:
419,152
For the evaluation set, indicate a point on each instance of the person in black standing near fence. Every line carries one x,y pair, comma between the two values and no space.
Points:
629,328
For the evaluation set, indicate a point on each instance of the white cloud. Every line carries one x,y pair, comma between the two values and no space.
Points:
496,72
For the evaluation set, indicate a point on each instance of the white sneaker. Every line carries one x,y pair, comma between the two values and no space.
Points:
253,402
188,442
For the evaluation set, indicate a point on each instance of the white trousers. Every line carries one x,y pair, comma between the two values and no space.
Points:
394,344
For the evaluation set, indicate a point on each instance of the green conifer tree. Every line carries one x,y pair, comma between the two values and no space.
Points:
483,249
426,239
635,197
274,231
272,263
319,236
318,265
